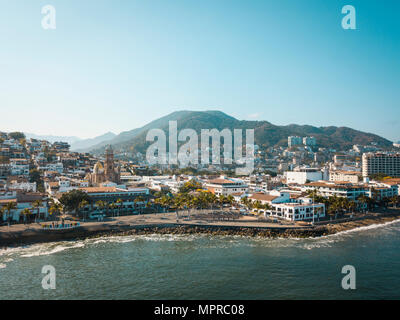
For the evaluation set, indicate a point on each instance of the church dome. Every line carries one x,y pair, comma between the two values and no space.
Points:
97,167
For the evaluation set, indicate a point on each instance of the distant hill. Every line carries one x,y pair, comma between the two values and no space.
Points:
88,143
77,144
51,138
266,133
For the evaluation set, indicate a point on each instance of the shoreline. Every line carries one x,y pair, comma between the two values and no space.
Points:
33,236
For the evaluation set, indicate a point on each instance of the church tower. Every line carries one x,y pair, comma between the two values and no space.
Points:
109,169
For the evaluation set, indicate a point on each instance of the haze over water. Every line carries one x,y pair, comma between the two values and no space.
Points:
205,267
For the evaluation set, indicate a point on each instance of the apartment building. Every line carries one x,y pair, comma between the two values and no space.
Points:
348,176
226,186
294,141
384,163
303,175
340,189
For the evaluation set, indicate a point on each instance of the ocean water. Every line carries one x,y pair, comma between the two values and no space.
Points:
208,267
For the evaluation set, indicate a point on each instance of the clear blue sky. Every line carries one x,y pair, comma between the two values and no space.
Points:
116,65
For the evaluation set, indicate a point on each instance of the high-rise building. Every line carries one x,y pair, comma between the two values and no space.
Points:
309,141
294,141
384,163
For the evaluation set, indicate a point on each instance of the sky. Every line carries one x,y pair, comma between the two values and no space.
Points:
116,65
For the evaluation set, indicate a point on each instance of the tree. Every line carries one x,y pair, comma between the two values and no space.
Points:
101,205
363,200
71,200
35,176
394,200
120,203
55,208
137,200
113,206
9,207
26,213
191,185
82,205
3,212
37,205
16,135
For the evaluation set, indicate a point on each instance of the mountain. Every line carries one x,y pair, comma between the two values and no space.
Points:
77,144
88,143
266,134
51,138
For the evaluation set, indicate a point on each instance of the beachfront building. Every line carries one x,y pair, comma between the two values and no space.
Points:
381,163
271,197
297,211
380,191
340,189
226,187
23,201
283,205
109,195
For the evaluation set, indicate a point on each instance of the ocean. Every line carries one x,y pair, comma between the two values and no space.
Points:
208,267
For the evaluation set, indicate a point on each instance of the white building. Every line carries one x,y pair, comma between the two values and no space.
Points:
303,175
340,189
223,186
19,167
24,186
284,206
348,176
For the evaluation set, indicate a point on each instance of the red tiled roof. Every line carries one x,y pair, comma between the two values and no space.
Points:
99,189
262,197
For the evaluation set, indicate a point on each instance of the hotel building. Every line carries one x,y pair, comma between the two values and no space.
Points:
384,163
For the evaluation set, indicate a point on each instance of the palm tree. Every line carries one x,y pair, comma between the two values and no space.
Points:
37,204
137,200
231,200
112,206
3,212
120,203
26,212
101,205
363,199
318,211
56,208
258,205
9,207
82,205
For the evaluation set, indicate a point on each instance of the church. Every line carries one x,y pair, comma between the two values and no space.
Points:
107,173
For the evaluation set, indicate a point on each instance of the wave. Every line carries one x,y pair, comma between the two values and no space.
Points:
44,250
364,228
212,241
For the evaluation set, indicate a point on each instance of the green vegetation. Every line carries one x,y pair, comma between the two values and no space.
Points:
35,176
265,133
16,135
72,199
